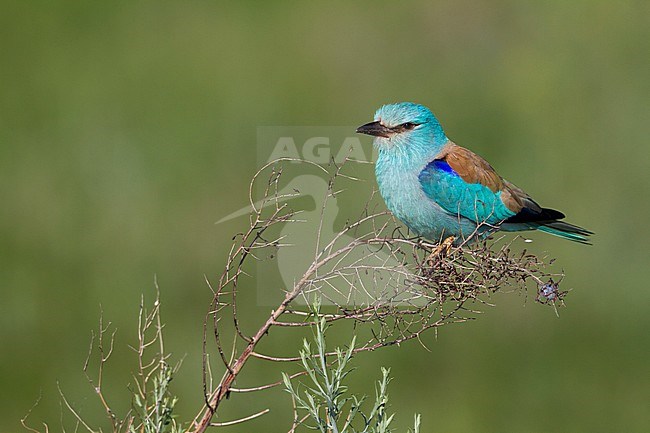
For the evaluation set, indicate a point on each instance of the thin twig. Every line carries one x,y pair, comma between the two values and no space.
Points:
240,420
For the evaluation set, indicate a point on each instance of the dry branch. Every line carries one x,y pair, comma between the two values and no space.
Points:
368,272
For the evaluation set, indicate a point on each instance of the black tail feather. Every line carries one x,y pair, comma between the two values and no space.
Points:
568,228
535,217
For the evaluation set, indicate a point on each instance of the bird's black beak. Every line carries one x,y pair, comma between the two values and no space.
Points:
376,129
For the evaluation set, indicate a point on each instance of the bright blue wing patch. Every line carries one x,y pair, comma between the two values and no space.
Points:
473,201
442,165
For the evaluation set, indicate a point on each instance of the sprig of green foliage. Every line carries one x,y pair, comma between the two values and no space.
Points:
154,412
326,400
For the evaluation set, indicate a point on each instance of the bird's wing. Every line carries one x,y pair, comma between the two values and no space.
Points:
464,184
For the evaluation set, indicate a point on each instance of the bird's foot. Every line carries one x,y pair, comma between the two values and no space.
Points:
441,250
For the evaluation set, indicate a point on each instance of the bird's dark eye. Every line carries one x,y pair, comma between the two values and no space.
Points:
407,126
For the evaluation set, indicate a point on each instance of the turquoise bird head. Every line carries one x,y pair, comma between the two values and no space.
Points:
405,126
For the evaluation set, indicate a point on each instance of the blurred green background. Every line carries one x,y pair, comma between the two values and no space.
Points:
128,128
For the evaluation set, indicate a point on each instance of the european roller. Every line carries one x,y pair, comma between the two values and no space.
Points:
441,190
